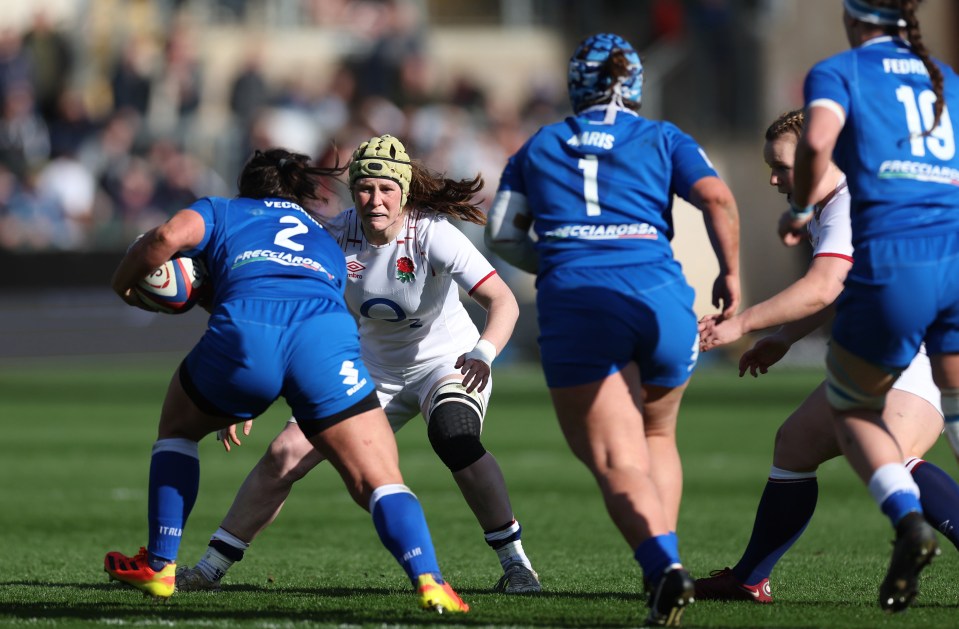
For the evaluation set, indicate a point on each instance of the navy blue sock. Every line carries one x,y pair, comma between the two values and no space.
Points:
174,482
401,525
784,511
939,496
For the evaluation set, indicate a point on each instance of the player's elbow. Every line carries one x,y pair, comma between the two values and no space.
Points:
711,194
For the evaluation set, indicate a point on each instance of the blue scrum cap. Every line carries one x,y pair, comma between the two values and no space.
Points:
589,83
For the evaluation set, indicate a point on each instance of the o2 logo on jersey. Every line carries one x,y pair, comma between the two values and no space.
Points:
382,309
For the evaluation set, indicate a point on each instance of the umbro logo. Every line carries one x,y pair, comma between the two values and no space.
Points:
354,267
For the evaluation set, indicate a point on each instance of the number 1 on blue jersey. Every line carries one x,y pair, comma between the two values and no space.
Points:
590,167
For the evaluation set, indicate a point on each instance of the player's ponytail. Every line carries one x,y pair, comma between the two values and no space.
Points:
433,192
908,9
283,174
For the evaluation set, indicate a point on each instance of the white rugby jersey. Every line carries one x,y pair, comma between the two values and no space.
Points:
831,234
831,229
404,294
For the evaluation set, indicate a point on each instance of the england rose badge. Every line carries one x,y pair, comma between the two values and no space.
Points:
404,270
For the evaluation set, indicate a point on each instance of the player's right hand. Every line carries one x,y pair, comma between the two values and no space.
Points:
715,331
788,232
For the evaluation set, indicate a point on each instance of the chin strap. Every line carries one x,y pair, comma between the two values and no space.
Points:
615,103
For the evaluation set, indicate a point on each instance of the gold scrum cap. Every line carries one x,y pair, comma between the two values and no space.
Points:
383,157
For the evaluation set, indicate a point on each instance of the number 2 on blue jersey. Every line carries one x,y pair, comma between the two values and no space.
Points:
283,237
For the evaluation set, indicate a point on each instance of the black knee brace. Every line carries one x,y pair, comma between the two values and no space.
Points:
454,430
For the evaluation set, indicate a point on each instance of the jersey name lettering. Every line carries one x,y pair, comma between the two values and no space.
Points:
284,204
593,138
903,66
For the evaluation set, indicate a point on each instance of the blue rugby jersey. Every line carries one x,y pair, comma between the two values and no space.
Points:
253,247
899,181
602,194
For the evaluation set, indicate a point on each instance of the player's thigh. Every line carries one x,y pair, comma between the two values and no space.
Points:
291,451
181,417
808,436
395,397
363,449
913,421
601,421
660,408
440,383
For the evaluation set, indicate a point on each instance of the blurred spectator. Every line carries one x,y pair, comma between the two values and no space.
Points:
70,124
52,61
24,137
396,31
332,109
249,93
137,206
28,221
132,76
179,82
181,178
68,185
14,63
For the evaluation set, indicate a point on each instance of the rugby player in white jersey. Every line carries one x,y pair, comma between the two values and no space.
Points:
808,438
406,263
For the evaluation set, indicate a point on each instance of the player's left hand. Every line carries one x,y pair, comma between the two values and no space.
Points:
475,373
130,297
227,435
764,354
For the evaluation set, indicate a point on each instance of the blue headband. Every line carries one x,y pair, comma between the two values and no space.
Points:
874,15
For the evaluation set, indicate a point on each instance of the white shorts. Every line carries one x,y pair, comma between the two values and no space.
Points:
404,397
917,379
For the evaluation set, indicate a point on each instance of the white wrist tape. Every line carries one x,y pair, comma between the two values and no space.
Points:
484,350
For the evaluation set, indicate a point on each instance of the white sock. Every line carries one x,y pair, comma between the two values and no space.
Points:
889,479
214,563
511,551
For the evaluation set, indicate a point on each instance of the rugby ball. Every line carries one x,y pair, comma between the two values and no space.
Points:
175,287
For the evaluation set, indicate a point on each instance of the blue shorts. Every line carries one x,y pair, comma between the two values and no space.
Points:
595,321
255,351
899,293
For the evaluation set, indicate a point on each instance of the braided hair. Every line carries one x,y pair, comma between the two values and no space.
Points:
789,122
907,8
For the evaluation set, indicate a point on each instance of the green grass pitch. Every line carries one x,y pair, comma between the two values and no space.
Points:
74,455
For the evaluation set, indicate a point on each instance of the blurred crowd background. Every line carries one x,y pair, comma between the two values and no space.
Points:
116,113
